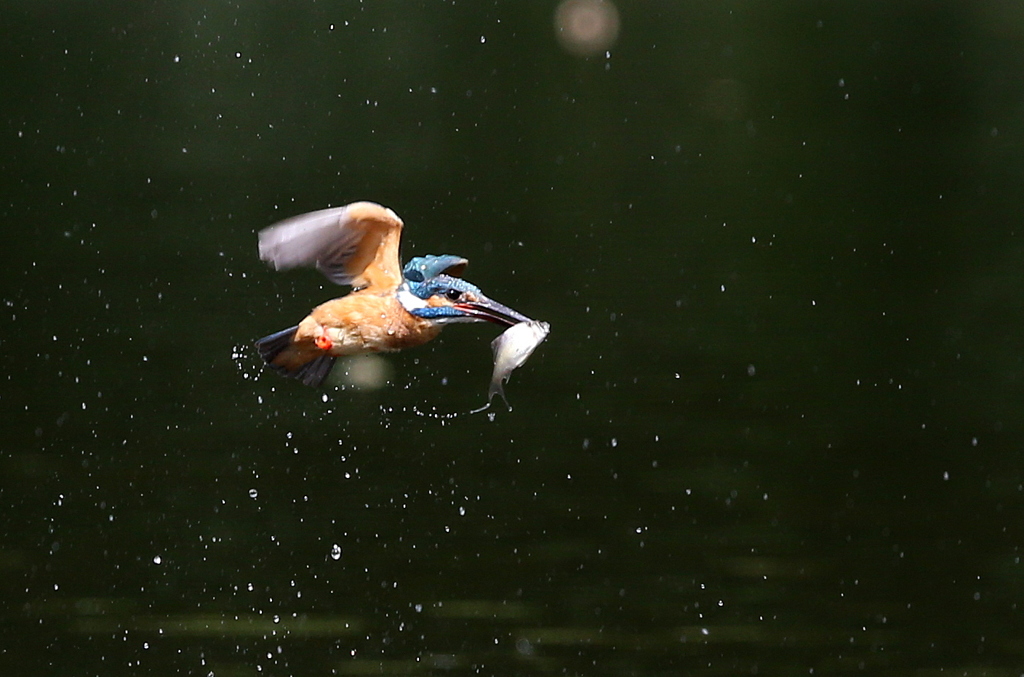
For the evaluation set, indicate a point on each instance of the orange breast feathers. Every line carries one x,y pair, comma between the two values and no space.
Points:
364,322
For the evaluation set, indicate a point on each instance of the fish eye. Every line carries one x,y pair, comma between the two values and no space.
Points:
453,294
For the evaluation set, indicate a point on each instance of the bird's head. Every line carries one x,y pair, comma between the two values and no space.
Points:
445,299
422,268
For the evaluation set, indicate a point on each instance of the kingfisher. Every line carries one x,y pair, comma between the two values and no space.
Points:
390,308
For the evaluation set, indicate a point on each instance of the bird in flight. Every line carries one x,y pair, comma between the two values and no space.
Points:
390,308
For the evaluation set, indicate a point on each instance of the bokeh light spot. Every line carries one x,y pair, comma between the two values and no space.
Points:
586,27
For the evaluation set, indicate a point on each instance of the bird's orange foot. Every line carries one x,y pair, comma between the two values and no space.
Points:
323,342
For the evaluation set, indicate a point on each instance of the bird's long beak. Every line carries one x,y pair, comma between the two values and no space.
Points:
492,311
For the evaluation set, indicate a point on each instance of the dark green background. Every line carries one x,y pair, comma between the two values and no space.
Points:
776,428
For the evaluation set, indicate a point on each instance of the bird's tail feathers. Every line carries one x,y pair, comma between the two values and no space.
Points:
272,346
275,350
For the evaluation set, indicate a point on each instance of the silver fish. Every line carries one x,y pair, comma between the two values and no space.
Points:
511,349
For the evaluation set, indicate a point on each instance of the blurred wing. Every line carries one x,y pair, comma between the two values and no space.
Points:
356,244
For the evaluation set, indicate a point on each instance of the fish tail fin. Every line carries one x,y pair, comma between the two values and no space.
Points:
497,388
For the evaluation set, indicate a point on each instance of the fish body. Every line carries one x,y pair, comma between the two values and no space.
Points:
511,350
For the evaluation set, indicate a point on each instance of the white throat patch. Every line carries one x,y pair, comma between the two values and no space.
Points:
409,300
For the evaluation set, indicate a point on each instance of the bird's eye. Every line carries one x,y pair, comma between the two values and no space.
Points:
453,294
